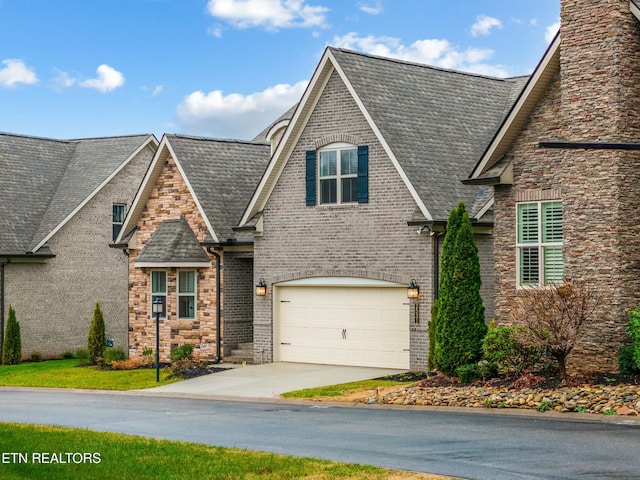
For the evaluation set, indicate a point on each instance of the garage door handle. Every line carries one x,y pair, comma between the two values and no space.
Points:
344,333
285,343
285,301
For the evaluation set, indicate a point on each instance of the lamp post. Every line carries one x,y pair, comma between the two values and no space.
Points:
157,308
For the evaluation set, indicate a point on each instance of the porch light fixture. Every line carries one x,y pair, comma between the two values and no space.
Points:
261,288
413,290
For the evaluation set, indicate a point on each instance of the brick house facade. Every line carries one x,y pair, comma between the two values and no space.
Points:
570,141
347,257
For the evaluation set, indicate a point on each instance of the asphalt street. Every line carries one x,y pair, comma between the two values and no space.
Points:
467,445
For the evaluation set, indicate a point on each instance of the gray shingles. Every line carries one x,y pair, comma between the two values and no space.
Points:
44,180
173,242
223,174
437,122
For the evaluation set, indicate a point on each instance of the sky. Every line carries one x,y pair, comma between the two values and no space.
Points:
228,68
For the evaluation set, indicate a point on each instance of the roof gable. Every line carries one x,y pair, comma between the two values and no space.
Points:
173,244
220,175
432,123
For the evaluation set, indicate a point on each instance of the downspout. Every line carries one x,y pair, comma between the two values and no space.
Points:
218,314
2,265
436,264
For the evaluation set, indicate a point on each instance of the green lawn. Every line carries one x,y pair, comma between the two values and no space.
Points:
45,452
342,389
67,374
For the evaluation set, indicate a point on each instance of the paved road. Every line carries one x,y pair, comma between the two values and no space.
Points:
467,445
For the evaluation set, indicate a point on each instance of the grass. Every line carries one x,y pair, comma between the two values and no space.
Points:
342,389
24,449
67,374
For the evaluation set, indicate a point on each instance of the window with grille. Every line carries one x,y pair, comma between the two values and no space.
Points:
187,294
159,290
539,243
117,219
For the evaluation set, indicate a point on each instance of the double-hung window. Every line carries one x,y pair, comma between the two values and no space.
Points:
539,243
117,219
159,290
338,176
186,294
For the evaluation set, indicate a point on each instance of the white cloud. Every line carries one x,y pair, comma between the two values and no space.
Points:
270,14
236,115
108,79
157,90
484,24
14,72
551,31
435,52
64,80
371,10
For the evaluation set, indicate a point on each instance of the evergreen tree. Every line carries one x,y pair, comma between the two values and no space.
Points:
12,345
97,337
460,326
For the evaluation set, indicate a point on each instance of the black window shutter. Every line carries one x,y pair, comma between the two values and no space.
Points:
311,178
363,174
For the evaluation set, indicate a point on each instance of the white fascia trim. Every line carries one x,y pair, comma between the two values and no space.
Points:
193,194
338,282
634,10
171,264
515,111
383,142
291,135
94,193
485,209
276,127
126,227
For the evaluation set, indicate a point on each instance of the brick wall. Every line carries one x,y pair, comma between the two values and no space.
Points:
54,301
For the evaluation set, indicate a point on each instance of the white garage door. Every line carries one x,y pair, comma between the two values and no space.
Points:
363,326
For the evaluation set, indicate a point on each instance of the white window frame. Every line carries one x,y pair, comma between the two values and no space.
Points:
338,177
193,294
539,244
159,293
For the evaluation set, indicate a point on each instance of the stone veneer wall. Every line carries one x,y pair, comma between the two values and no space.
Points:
171,199
594,98
54,301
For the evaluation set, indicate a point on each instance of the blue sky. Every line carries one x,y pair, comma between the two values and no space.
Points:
226,68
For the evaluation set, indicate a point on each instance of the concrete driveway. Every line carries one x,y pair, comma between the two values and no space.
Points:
269,380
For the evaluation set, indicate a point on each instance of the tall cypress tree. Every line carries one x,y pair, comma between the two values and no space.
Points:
12,345
97,337
460,325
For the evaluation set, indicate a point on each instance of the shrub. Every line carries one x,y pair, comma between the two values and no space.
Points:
82,354
97,340
634,332
181,353
502,346
68,355
113,355
468,373
35,357
431,363
183,368
12,345
555,317
460,326
127,364
626,362
147,356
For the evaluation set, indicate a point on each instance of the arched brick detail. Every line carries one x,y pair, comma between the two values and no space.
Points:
353,273
335,138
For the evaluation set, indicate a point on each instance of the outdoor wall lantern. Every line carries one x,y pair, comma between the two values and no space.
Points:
261,288
157,307
413,290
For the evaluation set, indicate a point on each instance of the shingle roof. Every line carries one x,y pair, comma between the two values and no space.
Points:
223,175
262,136
45,180
437,122
173,243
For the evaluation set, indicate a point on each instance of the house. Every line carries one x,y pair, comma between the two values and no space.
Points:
565,167
61,204
183,252
352,207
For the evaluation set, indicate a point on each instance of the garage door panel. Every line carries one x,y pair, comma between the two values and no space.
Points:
365,326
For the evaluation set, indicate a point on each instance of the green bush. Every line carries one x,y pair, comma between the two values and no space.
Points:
468,373
35,357
460,326
82,354
183,352
501,346
634,332
626,362
431,362
12,345
113,355
97,340
68,355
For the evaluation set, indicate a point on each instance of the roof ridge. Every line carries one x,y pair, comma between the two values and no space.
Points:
212,139
423,65
33,137
107,137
